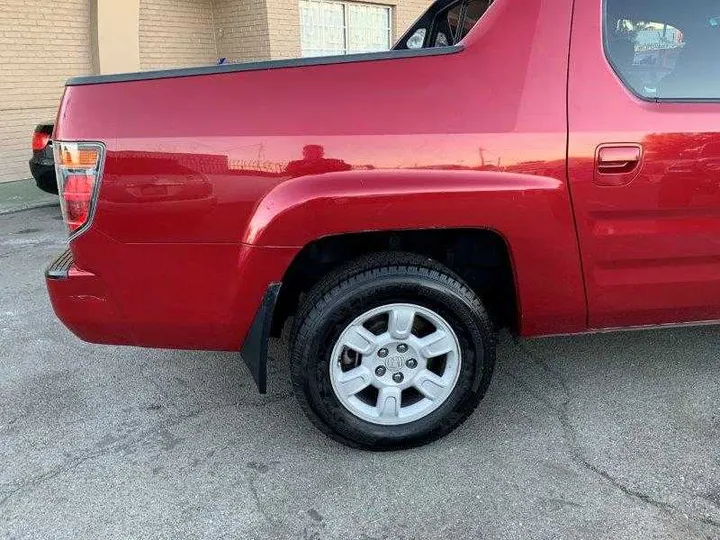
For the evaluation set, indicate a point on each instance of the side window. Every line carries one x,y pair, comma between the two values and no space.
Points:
460,19
474,9
665,50
445,23
453,19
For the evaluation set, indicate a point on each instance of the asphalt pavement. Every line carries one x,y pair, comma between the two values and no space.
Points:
593,437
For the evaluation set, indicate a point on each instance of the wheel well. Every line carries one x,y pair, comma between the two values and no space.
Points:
478,256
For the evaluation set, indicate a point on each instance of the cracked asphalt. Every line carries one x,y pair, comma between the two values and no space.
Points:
592,437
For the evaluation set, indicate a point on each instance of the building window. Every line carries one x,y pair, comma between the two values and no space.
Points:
328,28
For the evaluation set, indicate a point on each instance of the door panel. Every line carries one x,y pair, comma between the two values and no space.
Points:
649,235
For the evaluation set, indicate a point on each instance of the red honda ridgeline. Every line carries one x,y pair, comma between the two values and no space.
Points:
554,168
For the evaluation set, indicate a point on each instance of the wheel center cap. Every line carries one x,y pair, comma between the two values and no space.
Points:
395,363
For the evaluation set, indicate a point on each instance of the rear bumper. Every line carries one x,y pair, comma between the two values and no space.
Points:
129,306
82,302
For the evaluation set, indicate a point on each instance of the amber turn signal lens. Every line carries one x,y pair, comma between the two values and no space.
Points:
75,157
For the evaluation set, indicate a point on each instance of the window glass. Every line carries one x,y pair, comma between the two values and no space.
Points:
474,11
665,50
441,40
445,23
368,28
462,17
453,18
417,40
331,28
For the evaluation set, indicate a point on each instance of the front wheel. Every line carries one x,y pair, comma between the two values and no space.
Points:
391,351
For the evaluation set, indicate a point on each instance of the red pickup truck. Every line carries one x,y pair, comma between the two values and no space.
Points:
554,169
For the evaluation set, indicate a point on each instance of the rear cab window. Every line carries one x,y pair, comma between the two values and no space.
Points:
665,50
445,24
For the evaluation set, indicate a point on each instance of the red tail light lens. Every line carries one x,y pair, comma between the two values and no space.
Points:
77,194
40,140
78,168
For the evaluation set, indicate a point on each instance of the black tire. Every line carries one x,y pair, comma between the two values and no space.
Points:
367,283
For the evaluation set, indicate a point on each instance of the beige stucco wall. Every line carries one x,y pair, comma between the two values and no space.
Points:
115,35
41,44
176,33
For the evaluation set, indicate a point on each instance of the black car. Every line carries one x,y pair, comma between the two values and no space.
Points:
42,164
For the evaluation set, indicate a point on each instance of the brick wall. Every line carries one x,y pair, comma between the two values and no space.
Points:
41,45
241,29
284,28
176,33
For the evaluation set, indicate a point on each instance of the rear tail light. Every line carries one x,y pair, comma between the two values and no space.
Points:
40,140
78,167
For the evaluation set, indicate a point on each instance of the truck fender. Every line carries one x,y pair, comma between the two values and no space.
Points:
531,212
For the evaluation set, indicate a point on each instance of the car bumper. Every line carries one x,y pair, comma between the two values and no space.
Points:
43,171
86,305
83,303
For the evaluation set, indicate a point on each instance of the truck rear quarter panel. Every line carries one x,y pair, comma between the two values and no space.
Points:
213,183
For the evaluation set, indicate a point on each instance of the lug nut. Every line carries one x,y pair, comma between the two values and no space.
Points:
382,353
412,363
398,377
402,348
380,371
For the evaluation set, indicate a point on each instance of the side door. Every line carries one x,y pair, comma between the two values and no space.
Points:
644,159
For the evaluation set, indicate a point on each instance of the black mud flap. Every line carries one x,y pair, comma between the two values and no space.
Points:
254,350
